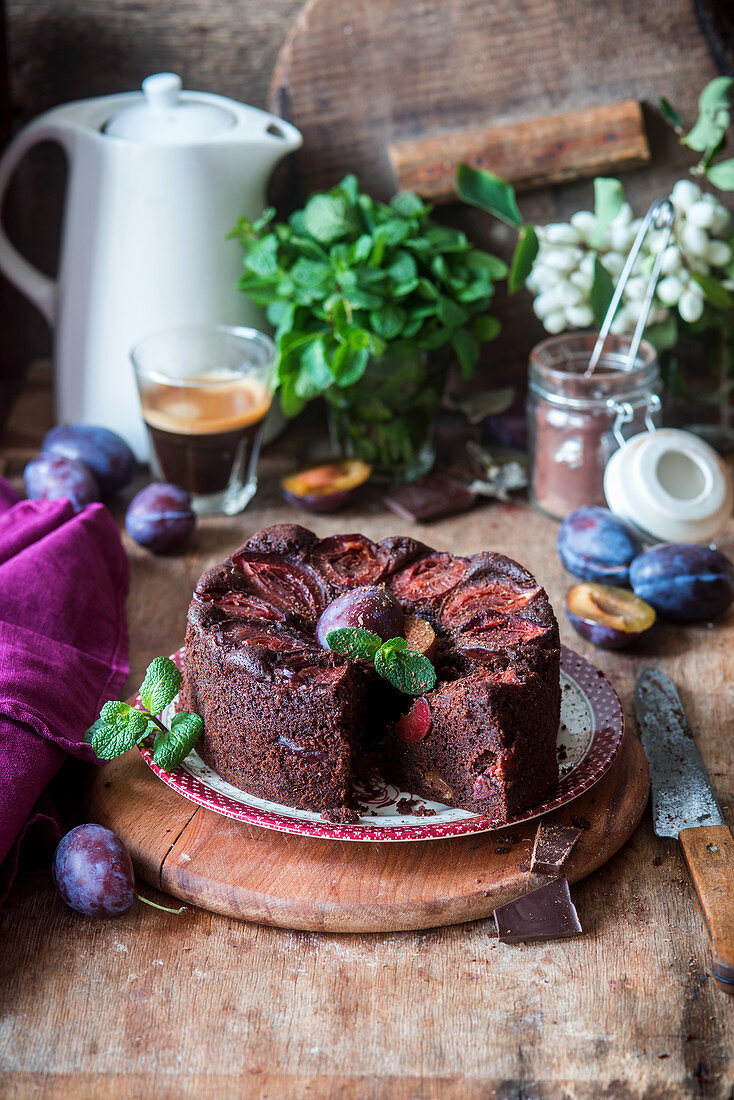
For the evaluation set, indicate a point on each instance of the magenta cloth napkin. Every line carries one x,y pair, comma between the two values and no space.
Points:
63,644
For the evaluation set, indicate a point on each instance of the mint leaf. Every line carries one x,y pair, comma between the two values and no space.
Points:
670,114
174,745
713,116
715,293
354,643
109,741
160,685
124,718
328,217
406,669
481,188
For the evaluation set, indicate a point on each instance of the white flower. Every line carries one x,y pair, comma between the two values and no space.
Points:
671,260
554,322
585,222
564,260
695,241
669,290
614,263
718,253
701,214
690,306
579,316
560,233
684,194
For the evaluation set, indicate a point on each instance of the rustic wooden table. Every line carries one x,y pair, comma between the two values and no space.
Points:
204,1006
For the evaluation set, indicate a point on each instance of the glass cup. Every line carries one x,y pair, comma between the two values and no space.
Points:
205,391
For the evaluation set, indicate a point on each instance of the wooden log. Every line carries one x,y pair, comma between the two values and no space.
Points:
569,146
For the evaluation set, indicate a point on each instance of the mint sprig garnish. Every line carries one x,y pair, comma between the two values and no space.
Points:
406,669
120,727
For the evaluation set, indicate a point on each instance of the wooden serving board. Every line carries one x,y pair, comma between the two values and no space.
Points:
343,886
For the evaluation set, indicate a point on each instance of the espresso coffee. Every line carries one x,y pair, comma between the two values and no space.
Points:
204,435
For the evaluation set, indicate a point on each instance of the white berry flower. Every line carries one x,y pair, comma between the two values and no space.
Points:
564,260
671,260
555,322
614,263
585,222
718,253
694,240
579,316
701,214
560,233
684,194
635,288
669,290
690,306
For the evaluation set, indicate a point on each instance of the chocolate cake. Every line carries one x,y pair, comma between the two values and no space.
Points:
291,722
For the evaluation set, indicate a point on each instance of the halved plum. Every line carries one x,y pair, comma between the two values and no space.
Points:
291,587
416,724
487,635
420,636
350,561
247,606
424,581
609,617
370,608
325,488
498,594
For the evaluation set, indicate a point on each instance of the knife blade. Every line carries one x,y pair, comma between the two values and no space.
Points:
684,806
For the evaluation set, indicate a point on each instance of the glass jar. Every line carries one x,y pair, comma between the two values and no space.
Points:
576,422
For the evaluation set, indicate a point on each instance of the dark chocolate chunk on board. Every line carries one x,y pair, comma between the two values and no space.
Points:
553,844
544,914
433,497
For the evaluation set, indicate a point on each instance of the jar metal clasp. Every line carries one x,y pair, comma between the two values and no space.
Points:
625,413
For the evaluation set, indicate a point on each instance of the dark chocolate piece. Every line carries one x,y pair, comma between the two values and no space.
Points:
433,497
553,844
544,914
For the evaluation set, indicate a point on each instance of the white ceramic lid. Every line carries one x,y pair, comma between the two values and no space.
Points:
670,485
161,116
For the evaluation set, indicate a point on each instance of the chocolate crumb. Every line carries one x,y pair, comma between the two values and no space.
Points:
424,811
524,867
580,822
500,851
657,860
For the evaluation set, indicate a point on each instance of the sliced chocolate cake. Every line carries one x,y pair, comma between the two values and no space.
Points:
290,721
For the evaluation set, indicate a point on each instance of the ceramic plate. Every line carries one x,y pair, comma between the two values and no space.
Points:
589,736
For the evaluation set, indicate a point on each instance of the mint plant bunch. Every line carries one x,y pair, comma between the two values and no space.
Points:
348,281
121,727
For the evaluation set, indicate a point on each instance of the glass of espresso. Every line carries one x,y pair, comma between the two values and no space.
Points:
205,391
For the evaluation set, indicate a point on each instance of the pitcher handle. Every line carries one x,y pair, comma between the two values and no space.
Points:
39,288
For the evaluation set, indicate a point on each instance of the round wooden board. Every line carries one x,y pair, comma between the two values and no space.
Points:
339,886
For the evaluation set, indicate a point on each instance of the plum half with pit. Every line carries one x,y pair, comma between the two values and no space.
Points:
370,608
160,518
102,451
52,477
606,616
325,488
595,545
684,582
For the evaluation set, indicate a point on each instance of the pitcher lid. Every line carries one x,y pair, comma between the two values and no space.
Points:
163,117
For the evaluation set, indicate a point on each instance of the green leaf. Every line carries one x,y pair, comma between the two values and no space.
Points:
466,347
173,746
492,266
717,94
715,293
328,217
523,258
262,257
389,321
608,201
713,116
481,188
486,328
406,669
407,204
451,314
160,685
354,643
315,375
349,365
670,114
110,741
722,174
313,275
402,268
664,334
602,291
124,717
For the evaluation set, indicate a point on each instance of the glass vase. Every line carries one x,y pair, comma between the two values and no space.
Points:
388,417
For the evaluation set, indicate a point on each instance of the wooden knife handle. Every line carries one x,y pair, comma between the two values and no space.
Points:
709,854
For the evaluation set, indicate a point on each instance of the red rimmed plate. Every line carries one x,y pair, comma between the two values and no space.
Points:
589,736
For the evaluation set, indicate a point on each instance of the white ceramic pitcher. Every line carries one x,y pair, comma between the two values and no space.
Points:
156,181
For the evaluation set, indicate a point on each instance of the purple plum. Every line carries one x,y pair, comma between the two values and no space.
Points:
608,617
160,518
370,608
103,452
325,488
51,477
596,545
684,582
93,872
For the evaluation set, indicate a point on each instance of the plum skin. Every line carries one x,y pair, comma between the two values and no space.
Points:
102,451
160,518
371,608
326,488
53,477
595,545
93,872
606,616
684,582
